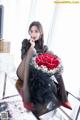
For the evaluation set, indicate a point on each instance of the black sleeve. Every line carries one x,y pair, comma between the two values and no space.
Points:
25,46
45,48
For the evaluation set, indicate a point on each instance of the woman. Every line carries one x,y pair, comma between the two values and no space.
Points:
36,34
30,49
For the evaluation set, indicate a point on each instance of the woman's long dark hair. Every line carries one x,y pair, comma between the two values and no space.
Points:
40,42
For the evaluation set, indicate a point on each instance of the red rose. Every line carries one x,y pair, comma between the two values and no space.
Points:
48,60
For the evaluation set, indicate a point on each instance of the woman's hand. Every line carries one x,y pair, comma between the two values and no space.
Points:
32,42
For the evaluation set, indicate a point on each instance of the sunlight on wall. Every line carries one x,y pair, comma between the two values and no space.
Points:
17,17
64,39
67,43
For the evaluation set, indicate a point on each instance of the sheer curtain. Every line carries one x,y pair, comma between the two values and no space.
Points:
61,32
65,42
18,14
61,24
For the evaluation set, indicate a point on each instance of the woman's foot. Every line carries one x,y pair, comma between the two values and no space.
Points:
67,105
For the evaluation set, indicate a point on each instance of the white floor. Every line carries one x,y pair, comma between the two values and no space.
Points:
22,114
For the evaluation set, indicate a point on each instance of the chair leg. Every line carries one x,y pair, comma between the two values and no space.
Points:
4,88
36,116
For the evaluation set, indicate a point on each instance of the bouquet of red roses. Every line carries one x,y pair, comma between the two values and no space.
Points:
47,62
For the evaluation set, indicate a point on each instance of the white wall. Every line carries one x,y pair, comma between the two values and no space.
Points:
66,43
15,24
17,17
64,39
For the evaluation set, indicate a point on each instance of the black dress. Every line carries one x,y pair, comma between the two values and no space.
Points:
43,90
26,45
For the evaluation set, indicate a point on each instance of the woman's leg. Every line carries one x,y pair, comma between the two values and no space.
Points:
24,65
21,69
63,93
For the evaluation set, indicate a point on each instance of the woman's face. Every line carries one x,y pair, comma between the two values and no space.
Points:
34,33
